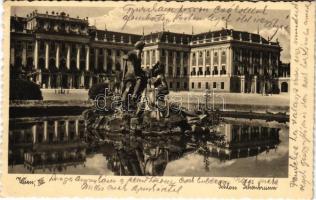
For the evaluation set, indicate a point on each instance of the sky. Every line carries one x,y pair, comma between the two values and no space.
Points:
113,19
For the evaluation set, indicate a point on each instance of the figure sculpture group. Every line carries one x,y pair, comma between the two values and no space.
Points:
135,81
143,105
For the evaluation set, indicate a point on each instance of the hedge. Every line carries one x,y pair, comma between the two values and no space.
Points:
21,89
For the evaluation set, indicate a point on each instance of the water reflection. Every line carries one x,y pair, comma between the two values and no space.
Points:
67,146
48,145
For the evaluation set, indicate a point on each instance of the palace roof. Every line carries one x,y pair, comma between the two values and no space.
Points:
18,24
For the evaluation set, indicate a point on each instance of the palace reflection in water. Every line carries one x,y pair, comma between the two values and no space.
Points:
66,146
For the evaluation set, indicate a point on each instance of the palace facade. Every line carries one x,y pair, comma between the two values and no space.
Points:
58,51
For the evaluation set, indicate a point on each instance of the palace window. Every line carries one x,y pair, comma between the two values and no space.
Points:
178,85
170,58
194,59
236,55
193,71
170,85
41,46
63,48
214,84
223,70
178,58
163,53
178,71
192,85
208,58
200,58
184,71
199,85
72,48
153,56
207,71
222,85
170,71
29,46
200,72
206,85
223,57
215,70
215,59
83,50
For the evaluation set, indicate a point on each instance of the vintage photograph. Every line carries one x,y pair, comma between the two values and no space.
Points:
127,91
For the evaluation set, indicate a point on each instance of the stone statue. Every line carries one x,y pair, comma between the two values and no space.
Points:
134,77
158,80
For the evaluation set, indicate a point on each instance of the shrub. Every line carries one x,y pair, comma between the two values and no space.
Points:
97,89
21,89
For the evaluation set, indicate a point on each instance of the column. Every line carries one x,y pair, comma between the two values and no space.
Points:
68,57
96,58
12,56
57,55
242,83
255,84
204,63
78,56
46,55
249,133
105,59
48,81
239,134
24,55
174,67
191,63
145,59
231,60
167,63
90,81
227,63
87,58
228,133
121,58
67,129
251,63
39,81
55,129
45,131
211,64
70,80
219,61
181,64
36,54
150,58
157,55
34,134
260,66
270,66
77,127
113,60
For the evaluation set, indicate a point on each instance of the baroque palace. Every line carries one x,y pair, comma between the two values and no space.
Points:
58,51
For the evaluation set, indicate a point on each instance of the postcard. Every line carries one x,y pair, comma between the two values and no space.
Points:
158,99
